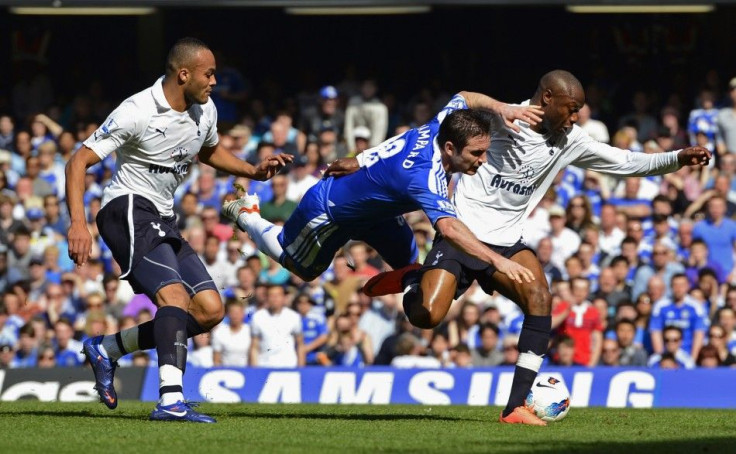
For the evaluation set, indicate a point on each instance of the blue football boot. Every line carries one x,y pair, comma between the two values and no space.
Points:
104,370
180,411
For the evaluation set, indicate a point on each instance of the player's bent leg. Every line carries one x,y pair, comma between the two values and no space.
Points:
536,302
207,310
427,303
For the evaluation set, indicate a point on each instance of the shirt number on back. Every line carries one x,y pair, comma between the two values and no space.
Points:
384,150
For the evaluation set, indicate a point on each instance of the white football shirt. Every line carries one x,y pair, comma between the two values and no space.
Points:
234,346
276,333
154,145
495,202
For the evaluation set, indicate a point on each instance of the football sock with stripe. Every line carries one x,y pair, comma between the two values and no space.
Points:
263,233
140,337
533,342
170,335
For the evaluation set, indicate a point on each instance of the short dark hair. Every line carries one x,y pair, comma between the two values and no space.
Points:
625,321
181,52
619,258
461,125
489,326
672,328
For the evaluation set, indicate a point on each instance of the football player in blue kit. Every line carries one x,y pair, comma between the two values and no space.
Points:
403,174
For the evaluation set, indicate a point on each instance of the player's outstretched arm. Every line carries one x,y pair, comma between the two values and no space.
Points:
509,113
80,240
221,159
463,239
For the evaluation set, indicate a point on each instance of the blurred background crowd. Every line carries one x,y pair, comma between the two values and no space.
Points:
641,269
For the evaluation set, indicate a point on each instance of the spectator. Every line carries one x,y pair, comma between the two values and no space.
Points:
646,124
410,354
727,121
698,259
300,179
367,110
314,328
7,132
717,340
708,357
276,332
464,329
565,242
231,338
362,140
216,266
579,215
327,115
46,357
544,254
279,208
378,319
718,232
583,325
595,129
487,353
610,354
663,265
19,255
27,353
343,349
7,353
439,348
68,350
672,337
631,354
202,356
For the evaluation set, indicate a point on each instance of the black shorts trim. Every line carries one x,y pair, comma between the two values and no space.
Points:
466,268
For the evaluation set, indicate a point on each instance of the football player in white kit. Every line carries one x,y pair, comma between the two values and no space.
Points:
156,134
496,201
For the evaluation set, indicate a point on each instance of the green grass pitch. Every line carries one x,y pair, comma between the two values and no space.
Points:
81,428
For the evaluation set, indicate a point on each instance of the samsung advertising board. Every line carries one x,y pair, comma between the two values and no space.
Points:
599,387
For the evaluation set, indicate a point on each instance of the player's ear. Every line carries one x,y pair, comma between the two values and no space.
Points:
183,75
546,97
449,148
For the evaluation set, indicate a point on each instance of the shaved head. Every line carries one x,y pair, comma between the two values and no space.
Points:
559,81
183,54
561,96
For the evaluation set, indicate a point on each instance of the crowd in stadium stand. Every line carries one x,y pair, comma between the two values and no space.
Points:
641,269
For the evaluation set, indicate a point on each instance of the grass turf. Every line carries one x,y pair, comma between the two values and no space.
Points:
80,428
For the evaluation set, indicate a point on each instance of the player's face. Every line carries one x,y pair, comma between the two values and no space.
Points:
201,78
561,109
472,156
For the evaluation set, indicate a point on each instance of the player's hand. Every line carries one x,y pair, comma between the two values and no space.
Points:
514,271
80,242
271,165
694,156
528,114
342,167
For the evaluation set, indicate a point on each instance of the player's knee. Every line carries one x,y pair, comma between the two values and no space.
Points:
539,300
420,316
210,314
173,295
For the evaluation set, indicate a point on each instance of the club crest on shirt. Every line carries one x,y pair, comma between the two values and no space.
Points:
526,172
106,129
179,153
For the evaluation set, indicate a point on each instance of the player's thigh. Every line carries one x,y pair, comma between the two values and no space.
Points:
310,240
394,240
533,297
157,276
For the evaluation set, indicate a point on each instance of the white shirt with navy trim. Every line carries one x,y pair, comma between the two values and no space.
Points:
154,145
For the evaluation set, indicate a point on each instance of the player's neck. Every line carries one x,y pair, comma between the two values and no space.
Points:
174,96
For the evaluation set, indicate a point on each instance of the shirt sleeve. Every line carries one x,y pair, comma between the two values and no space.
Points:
655,323
456,103
122,125
604,158
428,190
212,139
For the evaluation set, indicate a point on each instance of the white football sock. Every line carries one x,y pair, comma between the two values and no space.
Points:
169,375
263,233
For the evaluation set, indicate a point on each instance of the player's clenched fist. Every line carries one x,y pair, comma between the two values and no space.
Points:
694,156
